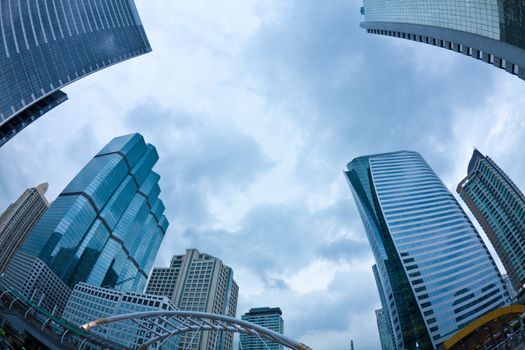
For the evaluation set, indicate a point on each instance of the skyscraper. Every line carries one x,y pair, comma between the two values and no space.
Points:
270,318
384,322
435,271
384,327
198,282
499,206
510,288
106,226
48,44
18,219
489,30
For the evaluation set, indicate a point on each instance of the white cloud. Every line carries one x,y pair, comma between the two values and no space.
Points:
283,129
315,277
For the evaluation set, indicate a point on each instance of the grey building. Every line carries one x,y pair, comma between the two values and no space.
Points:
198,282
499,206
492,31
48,44
435,271
35,281
18,219
267,317
89,303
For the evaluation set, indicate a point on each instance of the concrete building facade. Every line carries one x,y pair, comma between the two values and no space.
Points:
198,282
499,207
18,220
89,303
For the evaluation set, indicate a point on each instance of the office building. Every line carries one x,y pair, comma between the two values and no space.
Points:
34,281
513,295
106,226
18,219
499,207
198,282
492,31
435,271
47,45
270,318
384,322
384,327
88,303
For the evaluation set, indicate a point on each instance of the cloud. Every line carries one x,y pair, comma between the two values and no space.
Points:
255,108
345,249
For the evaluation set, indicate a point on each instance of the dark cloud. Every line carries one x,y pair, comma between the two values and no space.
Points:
381,102
277,283
199,158
341,92
345,249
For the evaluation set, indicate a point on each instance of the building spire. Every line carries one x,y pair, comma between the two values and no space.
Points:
42,188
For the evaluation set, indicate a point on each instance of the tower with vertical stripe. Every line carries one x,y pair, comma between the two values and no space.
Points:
48,44
435,271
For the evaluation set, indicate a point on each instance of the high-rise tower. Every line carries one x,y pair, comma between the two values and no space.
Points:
48,44
18,219
383,326
270,318
489,30
435,270
198,282
499,206
106,226
384,322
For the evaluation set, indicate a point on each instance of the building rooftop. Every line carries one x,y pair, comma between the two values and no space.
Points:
264,310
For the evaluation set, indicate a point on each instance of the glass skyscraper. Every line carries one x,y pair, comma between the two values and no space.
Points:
270,318
499,206
106,227
489,30
435,271
47,44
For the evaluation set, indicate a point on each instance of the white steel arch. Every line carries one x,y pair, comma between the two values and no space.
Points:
173,323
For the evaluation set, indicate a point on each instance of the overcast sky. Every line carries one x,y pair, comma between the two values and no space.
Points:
255,107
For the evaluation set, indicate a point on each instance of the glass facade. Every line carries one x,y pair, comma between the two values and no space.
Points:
407,324
489,30
474,16
107,225
422,239
47,44
499,206
270,318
